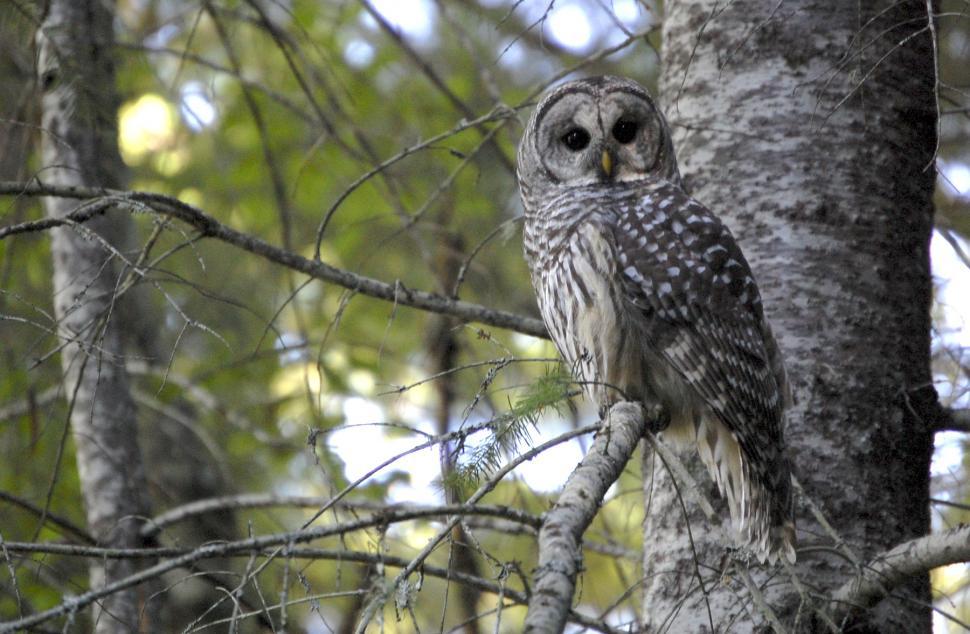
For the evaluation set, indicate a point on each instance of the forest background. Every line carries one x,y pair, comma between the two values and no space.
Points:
379,138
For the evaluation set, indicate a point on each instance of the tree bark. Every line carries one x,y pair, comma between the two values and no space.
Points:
810,128
79,145
444,349
561,536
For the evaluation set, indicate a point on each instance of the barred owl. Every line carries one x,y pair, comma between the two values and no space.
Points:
648,297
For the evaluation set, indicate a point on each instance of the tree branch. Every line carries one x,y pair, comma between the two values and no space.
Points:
954,420
308,553
384,513
384,517
898,565
181,557
212,228
382,594
560,539
436,80
61,524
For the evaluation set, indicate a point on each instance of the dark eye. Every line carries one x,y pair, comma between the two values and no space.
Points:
576,139
624,130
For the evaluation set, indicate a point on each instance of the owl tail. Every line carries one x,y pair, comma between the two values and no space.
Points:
759,500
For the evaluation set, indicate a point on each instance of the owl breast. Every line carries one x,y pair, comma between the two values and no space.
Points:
600,332
585,327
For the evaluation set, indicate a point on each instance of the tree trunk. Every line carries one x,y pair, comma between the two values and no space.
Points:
810,128
444,349
76,73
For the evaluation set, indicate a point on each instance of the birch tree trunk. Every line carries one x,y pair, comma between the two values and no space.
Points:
810,128
76,74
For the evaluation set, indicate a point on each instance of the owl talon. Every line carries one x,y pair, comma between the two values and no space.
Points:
657,418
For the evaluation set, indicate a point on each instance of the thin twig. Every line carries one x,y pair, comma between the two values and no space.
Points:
378,601
212,228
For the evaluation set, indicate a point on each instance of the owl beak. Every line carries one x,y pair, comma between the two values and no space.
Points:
607,162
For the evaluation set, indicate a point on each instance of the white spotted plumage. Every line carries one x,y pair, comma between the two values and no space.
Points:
648,297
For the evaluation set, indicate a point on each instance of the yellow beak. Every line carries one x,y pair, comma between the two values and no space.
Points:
607,163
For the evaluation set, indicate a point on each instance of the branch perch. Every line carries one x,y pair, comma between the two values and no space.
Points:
560,539
212,228
955,420
898,565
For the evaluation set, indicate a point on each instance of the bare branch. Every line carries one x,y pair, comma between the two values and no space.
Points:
476,582
267,500
378,600
60,524
955,505
560,539
182,557
435,79
898,565
188,56
212,228
954,420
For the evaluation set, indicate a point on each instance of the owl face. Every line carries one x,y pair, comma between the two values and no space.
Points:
599,129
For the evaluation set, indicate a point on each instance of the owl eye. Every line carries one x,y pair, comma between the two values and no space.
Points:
624,130
576,139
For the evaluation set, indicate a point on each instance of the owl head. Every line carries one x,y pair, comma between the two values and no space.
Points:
595,130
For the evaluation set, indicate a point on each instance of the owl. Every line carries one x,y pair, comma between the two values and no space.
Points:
648,297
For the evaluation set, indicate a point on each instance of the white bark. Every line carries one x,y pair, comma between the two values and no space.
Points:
807,126
881,576
76,74
561,535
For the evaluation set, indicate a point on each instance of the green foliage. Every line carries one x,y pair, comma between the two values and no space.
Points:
509,433
234,361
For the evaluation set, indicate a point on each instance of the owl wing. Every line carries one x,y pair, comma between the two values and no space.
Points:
684,270
701,313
